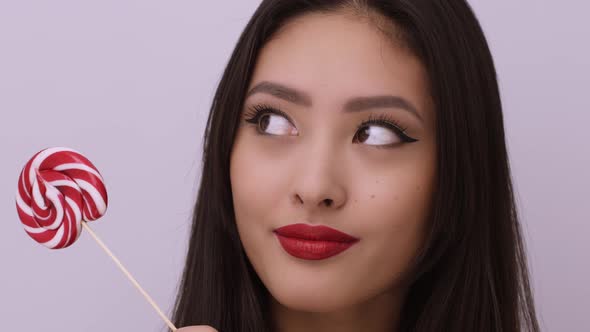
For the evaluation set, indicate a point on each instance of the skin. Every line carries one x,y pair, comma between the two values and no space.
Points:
200,328
380,195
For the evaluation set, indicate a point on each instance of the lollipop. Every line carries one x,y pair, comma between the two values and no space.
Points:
59,191
58,188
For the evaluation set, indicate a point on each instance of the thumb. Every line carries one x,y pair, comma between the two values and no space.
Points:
200,328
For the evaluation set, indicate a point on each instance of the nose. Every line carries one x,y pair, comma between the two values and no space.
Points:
320,181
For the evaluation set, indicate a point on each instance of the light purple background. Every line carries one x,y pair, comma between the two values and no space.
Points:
129,84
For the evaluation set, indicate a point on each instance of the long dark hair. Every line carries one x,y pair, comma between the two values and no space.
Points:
471,274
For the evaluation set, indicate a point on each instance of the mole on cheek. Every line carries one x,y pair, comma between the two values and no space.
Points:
372,196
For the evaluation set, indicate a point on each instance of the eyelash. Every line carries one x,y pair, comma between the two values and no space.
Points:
383,120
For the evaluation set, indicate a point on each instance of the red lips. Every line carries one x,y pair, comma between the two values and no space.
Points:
313,242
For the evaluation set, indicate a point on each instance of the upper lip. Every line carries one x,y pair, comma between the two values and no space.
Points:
314,233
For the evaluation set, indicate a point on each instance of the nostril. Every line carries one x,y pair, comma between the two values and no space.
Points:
328,202
299,199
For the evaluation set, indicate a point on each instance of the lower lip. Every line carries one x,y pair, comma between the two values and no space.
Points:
312,250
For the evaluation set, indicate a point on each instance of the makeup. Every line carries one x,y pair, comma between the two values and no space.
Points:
259,112
313,242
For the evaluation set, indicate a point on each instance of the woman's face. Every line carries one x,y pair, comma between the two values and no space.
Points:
317,164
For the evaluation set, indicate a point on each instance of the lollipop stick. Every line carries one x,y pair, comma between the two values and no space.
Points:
135,283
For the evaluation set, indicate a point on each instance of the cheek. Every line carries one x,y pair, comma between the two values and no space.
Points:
258,169
250,174
399,195
399,201
255,182
395,209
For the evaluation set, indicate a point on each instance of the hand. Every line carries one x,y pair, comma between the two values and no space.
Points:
200,328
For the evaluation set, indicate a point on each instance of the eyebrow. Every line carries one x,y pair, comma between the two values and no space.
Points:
356,104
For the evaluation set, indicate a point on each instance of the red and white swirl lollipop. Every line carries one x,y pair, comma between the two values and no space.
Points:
58,188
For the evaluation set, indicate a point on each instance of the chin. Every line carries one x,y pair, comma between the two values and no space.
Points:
309,299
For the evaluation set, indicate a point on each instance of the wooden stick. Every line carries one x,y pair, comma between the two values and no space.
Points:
135,283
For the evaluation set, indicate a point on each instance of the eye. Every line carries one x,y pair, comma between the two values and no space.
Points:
382,132
271,121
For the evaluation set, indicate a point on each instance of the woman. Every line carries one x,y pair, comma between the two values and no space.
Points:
355,178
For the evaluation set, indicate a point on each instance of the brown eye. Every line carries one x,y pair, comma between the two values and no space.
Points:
377,135
263,122
270,121
382,132
362,135
273,124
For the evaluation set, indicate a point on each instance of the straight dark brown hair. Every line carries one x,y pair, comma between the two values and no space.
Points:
471,273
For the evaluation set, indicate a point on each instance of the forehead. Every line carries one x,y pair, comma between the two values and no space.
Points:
335,56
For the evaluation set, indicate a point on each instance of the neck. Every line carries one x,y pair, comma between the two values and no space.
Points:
378,314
